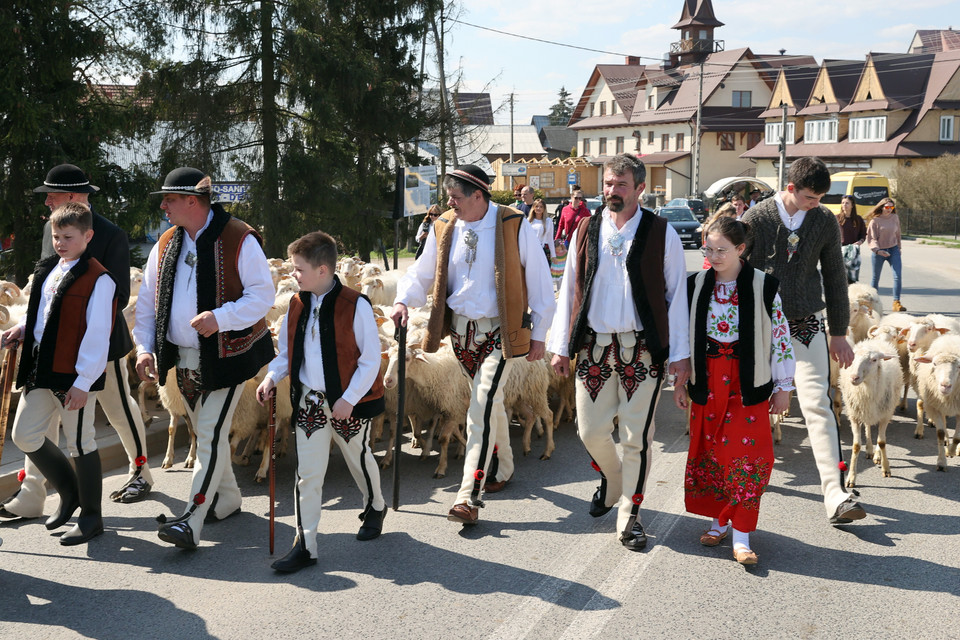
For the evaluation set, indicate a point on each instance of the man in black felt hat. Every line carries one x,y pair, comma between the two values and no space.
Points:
68,183
485,267
206,289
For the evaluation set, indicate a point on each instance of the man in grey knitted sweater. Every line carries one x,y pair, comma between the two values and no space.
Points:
791,236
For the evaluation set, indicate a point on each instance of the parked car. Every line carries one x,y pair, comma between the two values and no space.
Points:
695,204
593,204
684,223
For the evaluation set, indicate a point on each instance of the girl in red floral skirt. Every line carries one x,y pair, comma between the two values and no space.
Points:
742,354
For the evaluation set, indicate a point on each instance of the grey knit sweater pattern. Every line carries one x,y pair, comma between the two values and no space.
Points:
800,281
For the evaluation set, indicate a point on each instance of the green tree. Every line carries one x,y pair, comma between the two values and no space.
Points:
560,112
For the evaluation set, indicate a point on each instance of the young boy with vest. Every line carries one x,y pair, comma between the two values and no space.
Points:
330,348
66,335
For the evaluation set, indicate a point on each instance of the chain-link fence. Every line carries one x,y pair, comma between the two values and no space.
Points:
929,223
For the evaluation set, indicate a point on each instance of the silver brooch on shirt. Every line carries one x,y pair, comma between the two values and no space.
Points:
470,238
793,240
615,245
315,322
191,259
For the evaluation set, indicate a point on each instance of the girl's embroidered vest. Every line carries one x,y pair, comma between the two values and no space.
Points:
56,361
509,277
645,271
337,311
227,358
755,293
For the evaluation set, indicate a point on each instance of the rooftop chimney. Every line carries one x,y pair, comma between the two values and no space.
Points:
633,60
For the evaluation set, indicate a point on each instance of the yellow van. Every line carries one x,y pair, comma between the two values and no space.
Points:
867,188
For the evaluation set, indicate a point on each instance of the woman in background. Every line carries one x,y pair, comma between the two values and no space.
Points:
883,238
853,231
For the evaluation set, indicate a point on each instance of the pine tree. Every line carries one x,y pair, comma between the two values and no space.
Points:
560,112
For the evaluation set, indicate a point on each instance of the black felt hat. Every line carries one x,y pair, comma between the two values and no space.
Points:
474,175
66,178
186,181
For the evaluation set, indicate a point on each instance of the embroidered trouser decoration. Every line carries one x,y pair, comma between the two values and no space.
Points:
188,381
471,353
313,456
213,471
812,380
310,413
633,402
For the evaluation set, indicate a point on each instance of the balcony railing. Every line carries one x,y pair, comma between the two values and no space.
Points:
697,46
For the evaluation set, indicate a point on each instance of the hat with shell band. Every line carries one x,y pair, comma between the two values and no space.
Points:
66,178
472,175
186,181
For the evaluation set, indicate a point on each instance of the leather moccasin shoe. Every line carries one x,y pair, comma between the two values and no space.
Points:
298,558
372,523
9,516
179,534
709,539
597,506
848,511
464,514
744,556
634,538
495,486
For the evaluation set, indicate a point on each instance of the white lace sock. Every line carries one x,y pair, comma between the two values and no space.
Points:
716,528
741,540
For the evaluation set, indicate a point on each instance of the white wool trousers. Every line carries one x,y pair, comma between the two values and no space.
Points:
812,380
40,408
487,424
616,378
213,476
122,412
316,433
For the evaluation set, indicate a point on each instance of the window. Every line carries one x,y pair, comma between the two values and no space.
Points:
592,105
818,131
753,139
603,108
742,99
728,141
679,142
613,107
619,144
665,142
586,146
946,128
873,129
649,137
603,147
546,180
775,129
651,102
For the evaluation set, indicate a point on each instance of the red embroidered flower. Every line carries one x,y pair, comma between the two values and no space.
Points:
637,498
141,460
21,475
199,499
478,474
594,371
723,327
842,466
628,372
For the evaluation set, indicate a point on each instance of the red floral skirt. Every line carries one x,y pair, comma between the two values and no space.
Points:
731,447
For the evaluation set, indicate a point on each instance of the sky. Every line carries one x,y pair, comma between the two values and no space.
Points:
535,71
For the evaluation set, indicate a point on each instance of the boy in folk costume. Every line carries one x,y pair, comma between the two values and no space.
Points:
797,241
623,313
330,347
66,335
742,353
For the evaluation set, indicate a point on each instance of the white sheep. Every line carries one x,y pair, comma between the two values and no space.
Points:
938,385
525,393
918,337
173,402
900,321
381,289
870,387
866,310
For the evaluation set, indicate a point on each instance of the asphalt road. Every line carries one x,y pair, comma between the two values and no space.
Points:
537,565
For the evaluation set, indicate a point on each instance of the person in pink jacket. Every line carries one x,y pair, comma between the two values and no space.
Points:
571,215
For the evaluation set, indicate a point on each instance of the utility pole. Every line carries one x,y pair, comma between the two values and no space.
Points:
696,138
783,147
511,136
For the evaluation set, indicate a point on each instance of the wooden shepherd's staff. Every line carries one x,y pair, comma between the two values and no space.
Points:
6,386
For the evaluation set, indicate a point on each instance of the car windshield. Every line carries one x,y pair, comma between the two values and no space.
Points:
677,214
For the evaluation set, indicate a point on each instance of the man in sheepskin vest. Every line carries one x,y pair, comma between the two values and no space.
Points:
484,266
206,289
68,183
797,241
622,312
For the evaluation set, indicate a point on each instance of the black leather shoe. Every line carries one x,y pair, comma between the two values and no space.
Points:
848,511
9,516
87,527
297,559
372,523
634,538
597,506
177,533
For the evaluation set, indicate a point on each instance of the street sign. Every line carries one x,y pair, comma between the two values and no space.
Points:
230,192
513,169
573,177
